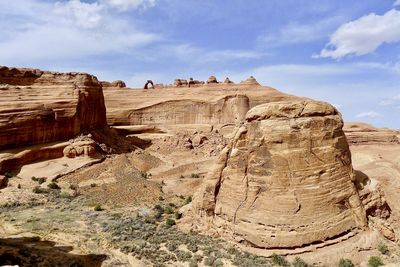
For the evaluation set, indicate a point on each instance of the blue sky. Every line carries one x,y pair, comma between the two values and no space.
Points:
343,52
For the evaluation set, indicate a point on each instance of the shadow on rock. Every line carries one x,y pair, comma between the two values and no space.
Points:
34,252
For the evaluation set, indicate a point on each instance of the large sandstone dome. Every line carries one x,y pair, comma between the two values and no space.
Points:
285,180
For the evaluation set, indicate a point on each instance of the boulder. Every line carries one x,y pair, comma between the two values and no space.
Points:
284,181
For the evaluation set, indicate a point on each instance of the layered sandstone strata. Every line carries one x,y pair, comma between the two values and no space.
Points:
364,134
212,104
285,180
39,107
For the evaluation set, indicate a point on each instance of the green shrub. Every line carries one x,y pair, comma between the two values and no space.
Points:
375,261
39,190
345,263
178,215
97,207
10,174
188,200
170,222
169,210
93,185
53,185
279,260
160,198
40,180
383,248
195,175
298,262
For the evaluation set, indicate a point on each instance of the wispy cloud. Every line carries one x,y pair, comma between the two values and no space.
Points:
298,32
391,101
364,35
397,3
124,5
369,114
65,30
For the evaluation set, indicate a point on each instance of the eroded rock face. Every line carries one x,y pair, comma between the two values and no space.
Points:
39,107
364,134
285,180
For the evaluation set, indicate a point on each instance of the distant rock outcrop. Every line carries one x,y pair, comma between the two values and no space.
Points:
212,80
285,180
364,134
40,107
115,84
250,81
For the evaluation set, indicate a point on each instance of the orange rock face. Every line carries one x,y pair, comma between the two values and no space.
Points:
39,107
285,180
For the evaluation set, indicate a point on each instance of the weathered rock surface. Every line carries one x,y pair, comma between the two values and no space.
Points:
212,104
212,79
363,134
115,84
285,180
38,107
250,81
3,181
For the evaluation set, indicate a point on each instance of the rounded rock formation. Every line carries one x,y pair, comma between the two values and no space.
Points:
212,80
285,180
250,81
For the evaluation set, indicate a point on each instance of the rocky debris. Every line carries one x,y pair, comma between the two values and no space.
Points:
364,134
40,107
212,80
250,81
81,148
284,181
228,81
199,139
3,181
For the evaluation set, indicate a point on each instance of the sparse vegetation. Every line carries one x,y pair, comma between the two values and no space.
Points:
19,186
194,175
97,207
188,200
9,174
345,263
279,260
169,209
39,190
181,177
178,215
39,180
53,185
298,262
383,248
375,261
93,185
170,222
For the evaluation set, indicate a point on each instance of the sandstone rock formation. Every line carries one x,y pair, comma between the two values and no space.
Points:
115,84
212,79
228,81
363,134
216,105
180,83
3,181
250,81
285,180
39,107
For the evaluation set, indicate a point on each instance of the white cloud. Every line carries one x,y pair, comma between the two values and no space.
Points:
124,5
390,101
364,35
369,114
65,31
397,3
295,32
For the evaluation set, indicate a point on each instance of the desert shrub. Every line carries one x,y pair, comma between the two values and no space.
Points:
192,247
40,180
298,262
97,207
93,185
188,200
375,261
279,260
9,174
218,263
169,210
172,246
383,248
345,263
170,222
19,186
53,185
183,255
194,175
209,261
39,190
193,263
144,175
160,198
181,177
178,215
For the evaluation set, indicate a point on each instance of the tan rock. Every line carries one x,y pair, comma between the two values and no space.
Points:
364,134
81,148
250,81
285,180
212,79
228,81
40,107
